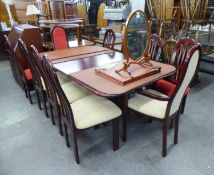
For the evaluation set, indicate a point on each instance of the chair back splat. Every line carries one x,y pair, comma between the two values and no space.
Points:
50,92
186,74
52,76
155,48
33,68
57,9
179,54
109,39
59,38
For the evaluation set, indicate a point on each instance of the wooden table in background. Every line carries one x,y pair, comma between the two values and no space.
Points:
75,24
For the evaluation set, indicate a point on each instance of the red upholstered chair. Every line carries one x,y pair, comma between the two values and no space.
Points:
168,86
22,75
155,47
109,39
59,38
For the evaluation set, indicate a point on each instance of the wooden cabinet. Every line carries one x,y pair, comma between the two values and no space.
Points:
30,35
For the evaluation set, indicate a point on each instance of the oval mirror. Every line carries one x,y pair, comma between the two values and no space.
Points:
136,36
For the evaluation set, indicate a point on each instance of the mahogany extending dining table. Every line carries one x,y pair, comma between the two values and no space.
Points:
79,64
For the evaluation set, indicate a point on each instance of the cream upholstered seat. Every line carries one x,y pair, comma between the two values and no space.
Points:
154,104
73,91
62,78
149,106
93,110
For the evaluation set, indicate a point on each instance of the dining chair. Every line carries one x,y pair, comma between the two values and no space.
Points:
83,113
37,80
109,39
59,38
24,75
156,105
72,91
155,48
167,86
56,9
71,10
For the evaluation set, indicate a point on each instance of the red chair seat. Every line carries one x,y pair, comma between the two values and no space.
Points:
167,87
28,74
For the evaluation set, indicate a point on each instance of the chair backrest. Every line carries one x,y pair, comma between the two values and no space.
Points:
50,91
59,38
168,47
179,54
70,10
155,48
109,39
64,103
34,71
56,9
187,73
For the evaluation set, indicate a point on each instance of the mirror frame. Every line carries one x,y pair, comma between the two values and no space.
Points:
144,57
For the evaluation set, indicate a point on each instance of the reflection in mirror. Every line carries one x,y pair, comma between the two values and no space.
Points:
137,35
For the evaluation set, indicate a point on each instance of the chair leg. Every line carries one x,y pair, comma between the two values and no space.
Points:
176,129
29,95
38,99
24,86
183,104
66,135
76,154
52,114
164,142
44,98
125,111
124,127
59,121
115,132
172,122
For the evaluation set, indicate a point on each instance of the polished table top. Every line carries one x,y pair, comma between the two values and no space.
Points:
81,68
62,21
